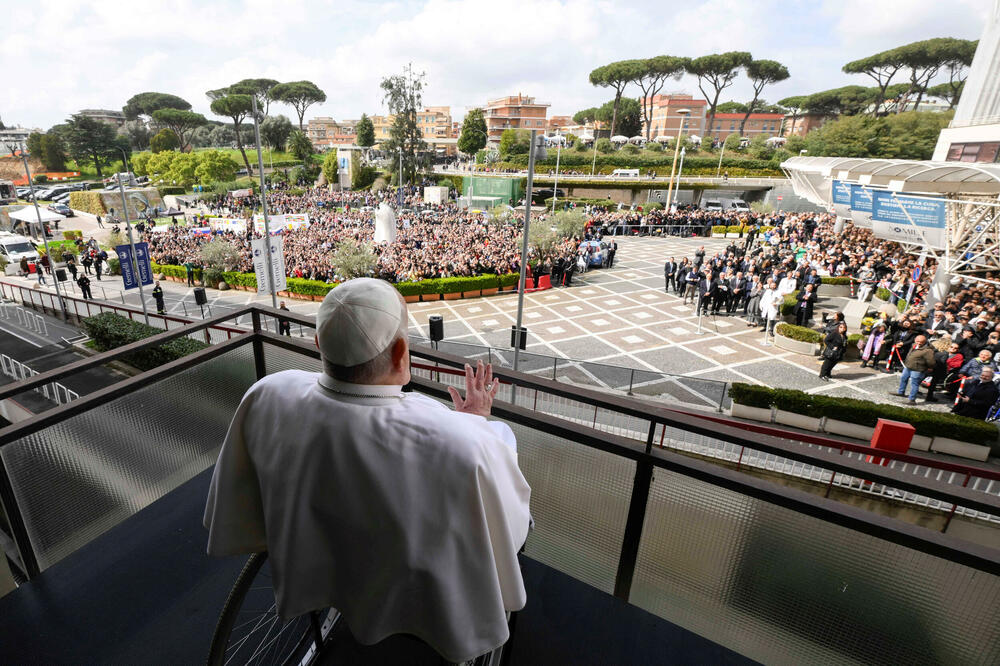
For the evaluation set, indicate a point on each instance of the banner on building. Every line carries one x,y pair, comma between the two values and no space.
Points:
239,194
234,224
905,219
259,247
841,198
861,206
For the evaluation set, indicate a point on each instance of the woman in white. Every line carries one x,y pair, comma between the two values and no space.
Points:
787,285
770,306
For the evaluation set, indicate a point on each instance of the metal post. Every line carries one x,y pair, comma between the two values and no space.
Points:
131,242
555,187
524,258
594,163
673,166
263,208
721,153
45,239
399,180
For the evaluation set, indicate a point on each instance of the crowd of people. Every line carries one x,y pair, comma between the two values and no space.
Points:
953,347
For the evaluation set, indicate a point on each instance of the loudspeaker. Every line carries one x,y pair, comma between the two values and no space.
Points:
199,296
524,337
61,274
436,325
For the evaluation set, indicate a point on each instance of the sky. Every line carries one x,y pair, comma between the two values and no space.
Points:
69,55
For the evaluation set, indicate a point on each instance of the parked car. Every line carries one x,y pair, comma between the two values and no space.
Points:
600,249
62,209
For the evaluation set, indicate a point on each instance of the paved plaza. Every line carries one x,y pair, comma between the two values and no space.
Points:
610,319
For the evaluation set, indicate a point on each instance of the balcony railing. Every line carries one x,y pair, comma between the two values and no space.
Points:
775,573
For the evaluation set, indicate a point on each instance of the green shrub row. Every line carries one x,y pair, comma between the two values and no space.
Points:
835,280
72,234
864,412
800,333
618,160
719,229
171,189
450,285
110,331
791,300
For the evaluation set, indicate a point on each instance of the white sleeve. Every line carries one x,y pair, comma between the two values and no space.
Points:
503,431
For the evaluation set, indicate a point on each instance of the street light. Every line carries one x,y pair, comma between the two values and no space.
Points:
131,242
683,113
41,225
555,187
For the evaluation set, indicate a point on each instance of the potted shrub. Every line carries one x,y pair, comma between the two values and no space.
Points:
832,287
798,339
719,231
795,408
734,231
410,291
429,290
212,277
751,402
490,284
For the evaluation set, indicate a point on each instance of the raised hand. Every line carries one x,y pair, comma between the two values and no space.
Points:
480,390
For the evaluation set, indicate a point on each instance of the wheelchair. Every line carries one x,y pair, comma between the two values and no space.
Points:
249,630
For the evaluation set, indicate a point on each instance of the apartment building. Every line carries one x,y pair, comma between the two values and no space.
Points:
560,123
114,118
514,112
758,124
667,119
803,123
325,132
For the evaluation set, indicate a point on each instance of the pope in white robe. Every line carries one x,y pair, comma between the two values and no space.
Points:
403,514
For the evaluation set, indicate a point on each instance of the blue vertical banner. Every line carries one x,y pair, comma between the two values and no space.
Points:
130,279
142,260
125,262
841,192
861,206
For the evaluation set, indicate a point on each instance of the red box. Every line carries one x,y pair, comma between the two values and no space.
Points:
891,436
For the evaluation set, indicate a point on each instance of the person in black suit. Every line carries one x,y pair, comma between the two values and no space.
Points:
804,307
721,282
669,269
558,266
706,292
737,292
978,396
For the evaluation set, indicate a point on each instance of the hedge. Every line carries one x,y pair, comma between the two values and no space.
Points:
305,287
88,202
734,229
791,300
110,331
835,280
171,189
800,333
865,413
719,229
72,234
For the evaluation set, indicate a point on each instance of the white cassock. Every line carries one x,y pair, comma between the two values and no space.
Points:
401,513
770,303
786,286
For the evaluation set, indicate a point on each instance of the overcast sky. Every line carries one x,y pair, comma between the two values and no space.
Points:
67,55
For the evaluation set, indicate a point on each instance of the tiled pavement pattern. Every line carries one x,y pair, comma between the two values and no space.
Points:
622,317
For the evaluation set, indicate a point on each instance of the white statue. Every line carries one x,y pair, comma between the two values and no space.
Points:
385,224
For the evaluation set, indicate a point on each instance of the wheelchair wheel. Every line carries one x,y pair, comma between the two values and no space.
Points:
249,630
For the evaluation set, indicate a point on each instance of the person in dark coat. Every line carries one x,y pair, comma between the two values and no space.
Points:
84,283
804,307
978,396
835,344
158,297
706,292
669,269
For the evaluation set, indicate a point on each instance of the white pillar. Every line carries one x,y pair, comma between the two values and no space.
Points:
940,286
838,226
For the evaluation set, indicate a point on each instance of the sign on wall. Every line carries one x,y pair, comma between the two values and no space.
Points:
907,219
841,198
861,206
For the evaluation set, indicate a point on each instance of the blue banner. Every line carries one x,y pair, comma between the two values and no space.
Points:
145,271
916,220
861,199
841,192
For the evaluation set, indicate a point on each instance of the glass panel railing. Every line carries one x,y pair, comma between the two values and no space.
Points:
81,476
780,586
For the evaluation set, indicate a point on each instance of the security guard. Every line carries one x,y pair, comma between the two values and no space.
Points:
158,296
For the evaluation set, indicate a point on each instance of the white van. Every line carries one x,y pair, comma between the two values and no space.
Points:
712,204
14,247
739,204
625,173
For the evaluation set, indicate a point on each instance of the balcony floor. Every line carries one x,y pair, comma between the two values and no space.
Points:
145,592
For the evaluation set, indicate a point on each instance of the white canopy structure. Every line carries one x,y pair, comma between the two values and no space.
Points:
695,139
385,224
618,138
663,138
948,210
556,138
779,140
637,139
586,136
28,214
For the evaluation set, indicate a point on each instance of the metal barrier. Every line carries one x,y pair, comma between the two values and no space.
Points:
54,391
690,391
28,320
780,575
598,415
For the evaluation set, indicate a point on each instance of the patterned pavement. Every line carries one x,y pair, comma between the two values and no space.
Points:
622,317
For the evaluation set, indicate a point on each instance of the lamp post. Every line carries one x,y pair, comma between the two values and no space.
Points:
399,196
721,153
131,241
555,187
677,148
41,227
263,206
524,259
593,165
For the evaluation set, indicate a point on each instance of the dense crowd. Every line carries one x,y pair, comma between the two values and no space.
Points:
432,241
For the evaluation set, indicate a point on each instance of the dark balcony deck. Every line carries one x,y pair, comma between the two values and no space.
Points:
145,592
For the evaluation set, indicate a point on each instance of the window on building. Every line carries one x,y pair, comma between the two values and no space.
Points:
973,152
